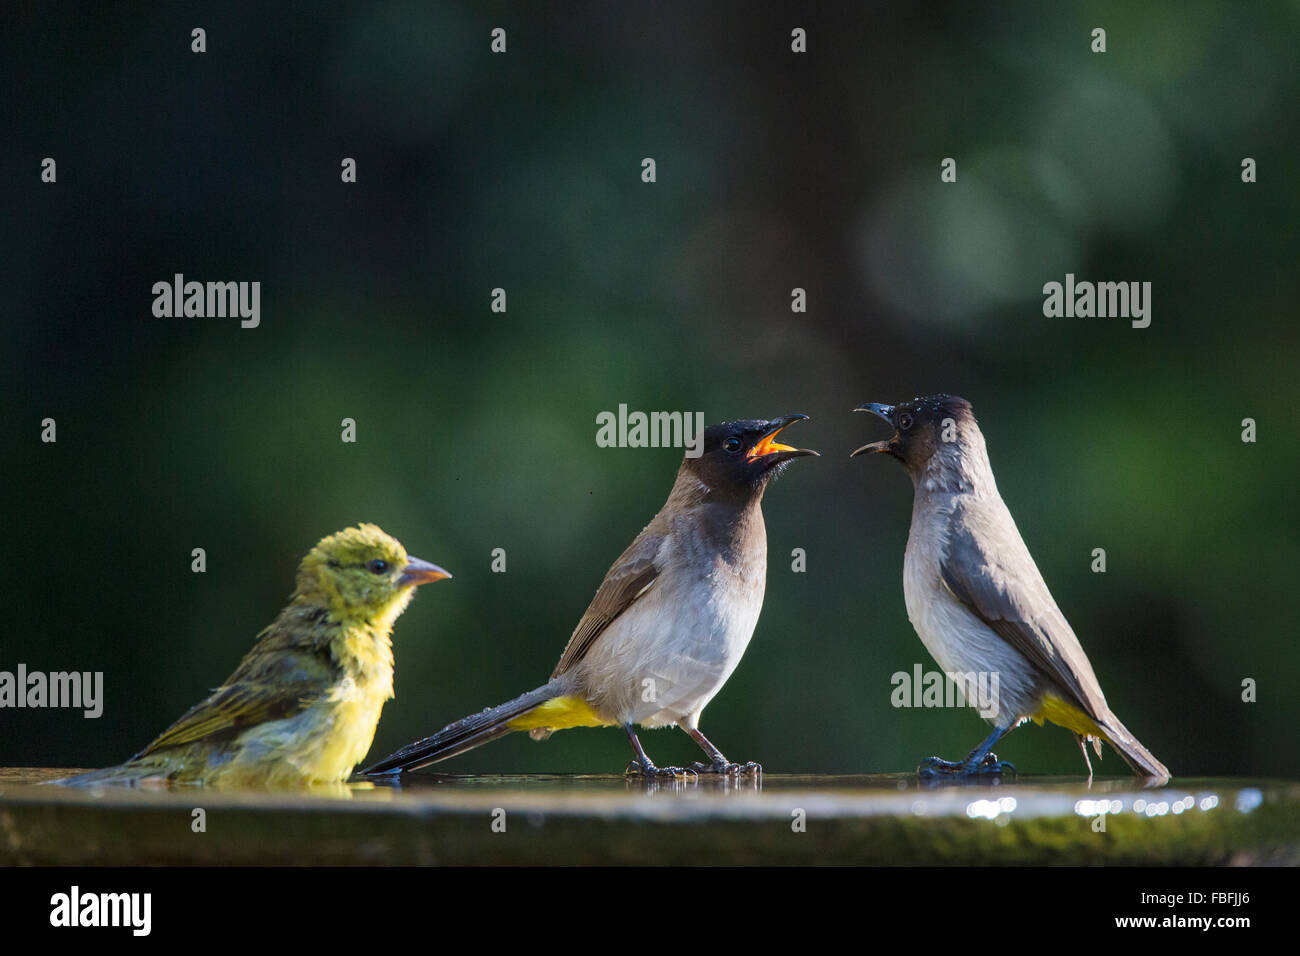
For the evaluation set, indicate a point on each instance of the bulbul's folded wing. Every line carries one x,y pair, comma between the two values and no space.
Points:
630,577
988,568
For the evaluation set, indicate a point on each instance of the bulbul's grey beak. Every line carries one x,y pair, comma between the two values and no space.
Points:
420,572
883,411
769,447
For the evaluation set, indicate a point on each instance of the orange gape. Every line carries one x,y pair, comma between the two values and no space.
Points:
768,445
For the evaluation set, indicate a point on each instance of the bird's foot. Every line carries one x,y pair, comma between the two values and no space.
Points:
636,768
933,767
728,768
936,765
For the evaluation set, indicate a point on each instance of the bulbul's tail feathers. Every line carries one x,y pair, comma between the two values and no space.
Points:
465,734
1142,761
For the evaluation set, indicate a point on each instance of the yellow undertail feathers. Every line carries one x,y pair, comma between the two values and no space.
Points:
1064,714
559,713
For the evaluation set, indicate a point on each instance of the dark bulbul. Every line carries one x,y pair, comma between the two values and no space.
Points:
976,598
669,623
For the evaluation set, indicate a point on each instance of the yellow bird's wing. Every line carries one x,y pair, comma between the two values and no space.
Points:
233,708
276,679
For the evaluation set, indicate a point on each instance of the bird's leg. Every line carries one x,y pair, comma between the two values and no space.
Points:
979,762
644,766
718,763
1083,749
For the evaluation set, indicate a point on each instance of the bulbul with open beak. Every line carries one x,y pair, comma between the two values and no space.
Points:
669,623
976,598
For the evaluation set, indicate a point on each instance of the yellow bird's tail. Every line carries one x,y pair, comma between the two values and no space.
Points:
129,774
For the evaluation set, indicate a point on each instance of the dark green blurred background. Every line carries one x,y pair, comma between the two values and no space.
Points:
476,430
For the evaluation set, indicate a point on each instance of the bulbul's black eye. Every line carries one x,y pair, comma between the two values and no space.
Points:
732,444
377,566
904,421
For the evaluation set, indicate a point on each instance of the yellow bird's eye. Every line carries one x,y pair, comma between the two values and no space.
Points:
377,566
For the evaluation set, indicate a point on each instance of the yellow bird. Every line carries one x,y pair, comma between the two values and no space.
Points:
302,706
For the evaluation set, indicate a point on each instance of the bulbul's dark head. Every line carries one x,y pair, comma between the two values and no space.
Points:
744,455
922,427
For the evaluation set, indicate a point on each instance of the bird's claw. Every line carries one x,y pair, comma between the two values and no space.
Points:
933,766
729,769
993,766
990,766
636,768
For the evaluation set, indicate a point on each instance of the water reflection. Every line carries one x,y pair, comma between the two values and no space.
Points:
849,795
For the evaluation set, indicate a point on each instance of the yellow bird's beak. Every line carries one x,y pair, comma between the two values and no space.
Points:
419,572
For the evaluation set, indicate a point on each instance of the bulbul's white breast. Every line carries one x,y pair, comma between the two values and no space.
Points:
940,622
664,658
956,638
